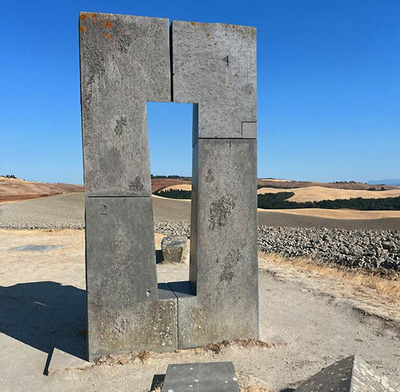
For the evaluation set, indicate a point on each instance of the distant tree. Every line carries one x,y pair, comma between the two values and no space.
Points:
174,194
279,201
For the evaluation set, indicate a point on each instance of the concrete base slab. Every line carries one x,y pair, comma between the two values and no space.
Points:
201,377
60,360
148,325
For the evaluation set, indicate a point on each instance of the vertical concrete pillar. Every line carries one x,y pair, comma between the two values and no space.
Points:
124,62
214,66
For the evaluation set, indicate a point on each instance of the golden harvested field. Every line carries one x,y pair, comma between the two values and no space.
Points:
16,190
161,183
337,214
181,187
287,184
317,193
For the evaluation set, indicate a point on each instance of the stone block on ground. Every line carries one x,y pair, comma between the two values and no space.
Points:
201,377
350,374
173,248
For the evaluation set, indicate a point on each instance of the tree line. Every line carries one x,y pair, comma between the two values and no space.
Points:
279,201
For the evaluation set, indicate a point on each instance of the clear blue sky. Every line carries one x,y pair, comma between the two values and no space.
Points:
328,87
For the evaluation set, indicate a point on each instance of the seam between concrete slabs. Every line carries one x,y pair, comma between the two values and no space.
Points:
177,316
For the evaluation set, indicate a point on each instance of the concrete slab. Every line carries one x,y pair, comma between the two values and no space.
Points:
126,312
350,374
224,260
201,377
124,62
121,266
214,66
148,325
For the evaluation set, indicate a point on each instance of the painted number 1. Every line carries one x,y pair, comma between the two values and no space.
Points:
227,60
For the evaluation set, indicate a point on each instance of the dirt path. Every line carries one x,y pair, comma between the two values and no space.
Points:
312,319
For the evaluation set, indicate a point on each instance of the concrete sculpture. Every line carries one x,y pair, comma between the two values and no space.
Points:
125,62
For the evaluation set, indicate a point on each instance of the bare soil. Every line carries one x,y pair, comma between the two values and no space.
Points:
67,211
12,189
342,214
161,183
308,320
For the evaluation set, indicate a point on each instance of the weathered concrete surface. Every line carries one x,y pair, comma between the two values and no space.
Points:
147,325
201,377
125,61
214,66
121,265
173,248
350,374
223,266
125,310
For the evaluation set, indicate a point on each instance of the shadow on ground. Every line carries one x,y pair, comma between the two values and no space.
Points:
157,382
159,256
45,315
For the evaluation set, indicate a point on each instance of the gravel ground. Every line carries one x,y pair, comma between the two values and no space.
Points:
369,248
54,212
68,211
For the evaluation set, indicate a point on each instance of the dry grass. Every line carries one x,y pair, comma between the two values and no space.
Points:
384,282
12,190
216,348
255,388
123,359
144,356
